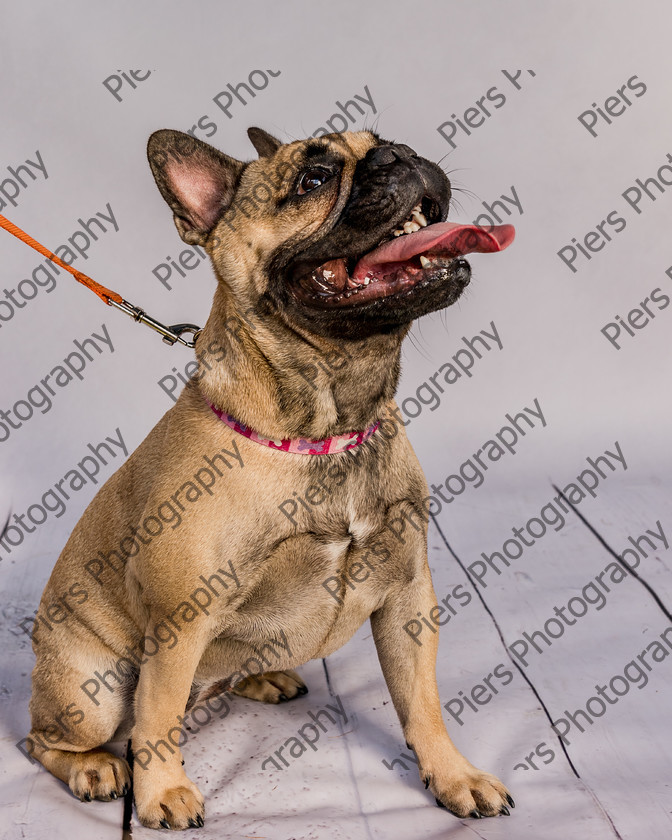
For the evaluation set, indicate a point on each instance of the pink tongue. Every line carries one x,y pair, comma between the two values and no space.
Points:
444,239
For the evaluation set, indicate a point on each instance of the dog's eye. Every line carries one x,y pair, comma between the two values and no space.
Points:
312,179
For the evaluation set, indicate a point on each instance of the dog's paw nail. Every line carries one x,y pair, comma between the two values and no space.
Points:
475,815
505,811
303,690
200,820
408,746
124,790
164,823
440,804
426,780
87,797
192,823
114,794
509,799
183,762
282,698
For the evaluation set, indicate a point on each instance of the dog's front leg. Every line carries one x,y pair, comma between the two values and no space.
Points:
164,795
409,668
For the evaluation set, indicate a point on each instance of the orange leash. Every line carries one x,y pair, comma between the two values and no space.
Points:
170,334
106,295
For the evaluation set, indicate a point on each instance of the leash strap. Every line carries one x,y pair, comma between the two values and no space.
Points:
170,334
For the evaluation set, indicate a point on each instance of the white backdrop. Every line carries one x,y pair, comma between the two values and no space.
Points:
79,128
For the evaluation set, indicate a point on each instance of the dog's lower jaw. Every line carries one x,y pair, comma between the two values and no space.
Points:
360,316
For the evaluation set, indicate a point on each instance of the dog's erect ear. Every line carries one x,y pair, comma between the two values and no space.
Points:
197,181
265,144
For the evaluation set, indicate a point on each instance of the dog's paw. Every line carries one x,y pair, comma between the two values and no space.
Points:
273,687
99,775
469,792
176,808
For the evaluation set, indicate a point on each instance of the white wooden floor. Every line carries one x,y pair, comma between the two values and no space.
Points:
613,781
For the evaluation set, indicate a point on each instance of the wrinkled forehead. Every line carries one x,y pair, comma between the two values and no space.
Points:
341,147
342,150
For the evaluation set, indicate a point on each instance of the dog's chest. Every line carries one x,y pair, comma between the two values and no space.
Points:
319,589
320,575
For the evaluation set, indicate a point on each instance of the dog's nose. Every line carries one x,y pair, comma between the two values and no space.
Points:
385,155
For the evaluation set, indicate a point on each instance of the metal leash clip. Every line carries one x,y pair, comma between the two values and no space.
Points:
170,334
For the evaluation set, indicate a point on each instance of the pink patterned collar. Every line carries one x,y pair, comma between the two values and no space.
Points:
300,446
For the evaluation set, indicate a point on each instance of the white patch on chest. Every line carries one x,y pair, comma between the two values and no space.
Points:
361,527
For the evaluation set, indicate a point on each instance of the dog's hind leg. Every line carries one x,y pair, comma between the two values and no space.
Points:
78,704
226,657
272,687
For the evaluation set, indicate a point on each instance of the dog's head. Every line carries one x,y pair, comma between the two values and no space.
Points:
344,236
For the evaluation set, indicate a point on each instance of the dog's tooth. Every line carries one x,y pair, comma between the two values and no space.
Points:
411,227
366,281
424,262
397,233
419,218
328,274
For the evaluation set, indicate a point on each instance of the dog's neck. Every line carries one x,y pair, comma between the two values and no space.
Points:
284,384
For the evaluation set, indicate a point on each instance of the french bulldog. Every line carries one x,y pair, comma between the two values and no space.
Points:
325,251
